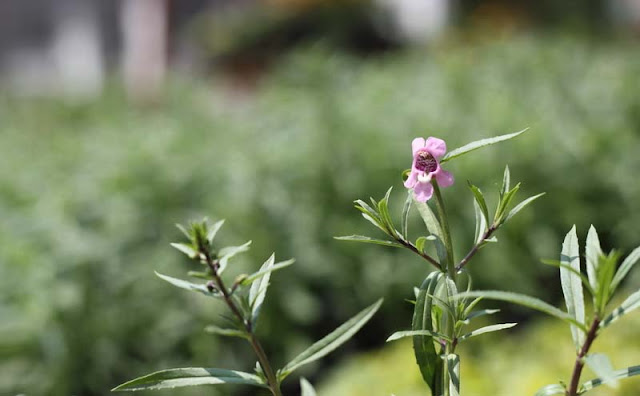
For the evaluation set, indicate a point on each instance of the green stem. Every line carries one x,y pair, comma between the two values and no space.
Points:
444,223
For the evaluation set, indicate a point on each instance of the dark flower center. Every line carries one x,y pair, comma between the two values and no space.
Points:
426,163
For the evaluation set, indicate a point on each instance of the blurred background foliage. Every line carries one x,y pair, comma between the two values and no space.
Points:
89,194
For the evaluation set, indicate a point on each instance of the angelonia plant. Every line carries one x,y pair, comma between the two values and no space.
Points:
243,297
442,314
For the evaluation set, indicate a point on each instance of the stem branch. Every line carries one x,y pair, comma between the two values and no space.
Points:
272,381
444,223
475,248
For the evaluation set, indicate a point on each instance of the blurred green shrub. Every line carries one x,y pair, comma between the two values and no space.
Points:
89,196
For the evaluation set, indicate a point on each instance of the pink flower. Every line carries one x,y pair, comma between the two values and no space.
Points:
425,167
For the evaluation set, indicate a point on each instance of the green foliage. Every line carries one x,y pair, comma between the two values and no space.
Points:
175,378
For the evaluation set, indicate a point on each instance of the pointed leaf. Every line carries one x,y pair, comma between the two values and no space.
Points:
521,206
617,375
481,312
183,284
187,249
411,333
175,378
214,230
625,267
478,144
526,301
228,252
479,197
257,275
366,239
632,302
383,209
481,223
592,253
306,388
506,181
405,215
572,284
331,341
488,329
553,389
258,289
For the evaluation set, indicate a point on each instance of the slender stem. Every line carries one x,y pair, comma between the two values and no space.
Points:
444,223
579,364
414,249
475,248
272,381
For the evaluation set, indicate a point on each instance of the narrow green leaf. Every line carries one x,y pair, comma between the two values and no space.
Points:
481,223
183,284
632,302
405,215
601,366
214,230
412,333
175,378
257,275
453,365
213,329
375,222
258,289
479,313
617,375
572,284
424,349
331,341
521,206
383,209
306,388
488,329
505,201
433,226
593,251
625,267
365,239
526,301
479,197
553,389
228,252
478,144
187,249
366,209
506,181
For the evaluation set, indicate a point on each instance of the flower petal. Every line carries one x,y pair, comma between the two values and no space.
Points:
423,191
437,147
411,180
444,178
417,144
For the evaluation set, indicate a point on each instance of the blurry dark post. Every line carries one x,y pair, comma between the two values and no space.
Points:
144,53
